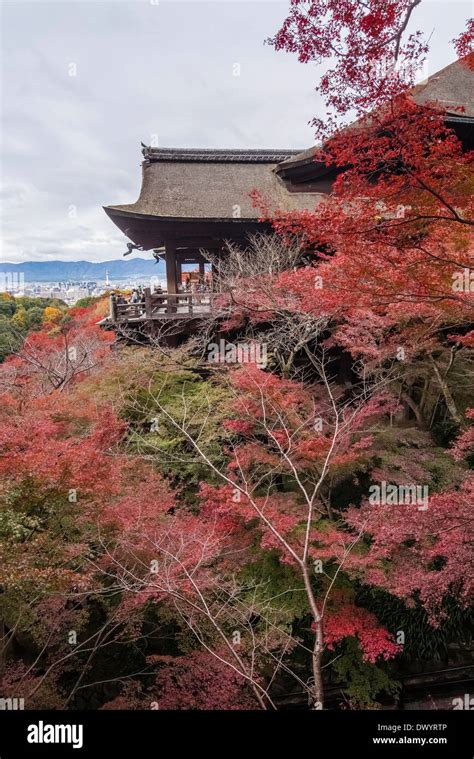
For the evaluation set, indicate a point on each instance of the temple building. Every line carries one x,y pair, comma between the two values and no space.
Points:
195,199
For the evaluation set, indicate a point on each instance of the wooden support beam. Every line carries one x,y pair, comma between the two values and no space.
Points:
193,253
170,258
197,241
179,272
113,307
148,302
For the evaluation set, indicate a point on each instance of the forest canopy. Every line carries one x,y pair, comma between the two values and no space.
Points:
181,533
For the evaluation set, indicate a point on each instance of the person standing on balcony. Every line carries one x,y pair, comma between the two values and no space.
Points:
195,292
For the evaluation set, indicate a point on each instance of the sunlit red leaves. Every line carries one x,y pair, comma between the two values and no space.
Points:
421,553
392,238
200,681
463,446
60,444
371,59
426,551
56,361
170,557
283,422
464,44
353,621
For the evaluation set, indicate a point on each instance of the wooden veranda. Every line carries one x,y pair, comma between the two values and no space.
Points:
163,307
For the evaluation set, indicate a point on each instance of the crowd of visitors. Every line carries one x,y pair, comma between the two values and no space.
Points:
196,288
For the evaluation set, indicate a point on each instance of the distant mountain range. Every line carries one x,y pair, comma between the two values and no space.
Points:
61,271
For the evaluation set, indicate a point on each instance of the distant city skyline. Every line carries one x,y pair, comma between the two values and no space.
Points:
85,82
71,292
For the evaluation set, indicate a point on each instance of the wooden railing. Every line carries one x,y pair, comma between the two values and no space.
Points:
163,306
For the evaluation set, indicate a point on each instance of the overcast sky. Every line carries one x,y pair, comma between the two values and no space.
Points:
85,81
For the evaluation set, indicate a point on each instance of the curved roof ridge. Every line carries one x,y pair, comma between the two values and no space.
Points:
219,155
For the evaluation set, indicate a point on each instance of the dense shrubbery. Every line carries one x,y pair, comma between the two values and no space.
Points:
20,315
124,550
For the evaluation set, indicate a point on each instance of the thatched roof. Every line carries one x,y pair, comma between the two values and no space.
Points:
183,186
211,184
452,88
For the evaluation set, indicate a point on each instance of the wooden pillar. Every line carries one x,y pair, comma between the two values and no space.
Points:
170,258
148,302
179,272
201,270
113,307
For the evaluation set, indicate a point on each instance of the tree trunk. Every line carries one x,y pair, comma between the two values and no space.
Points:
317,691
317,702
3,647
450,404
414,407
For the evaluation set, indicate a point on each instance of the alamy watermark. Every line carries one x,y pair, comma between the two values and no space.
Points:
385,494
242,353
12,704
463,281
12,281
404,70
466,702
46,733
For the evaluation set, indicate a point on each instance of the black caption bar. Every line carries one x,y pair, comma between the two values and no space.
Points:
121,734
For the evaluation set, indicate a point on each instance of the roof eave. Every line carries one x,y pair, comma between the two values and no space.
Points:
118,211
